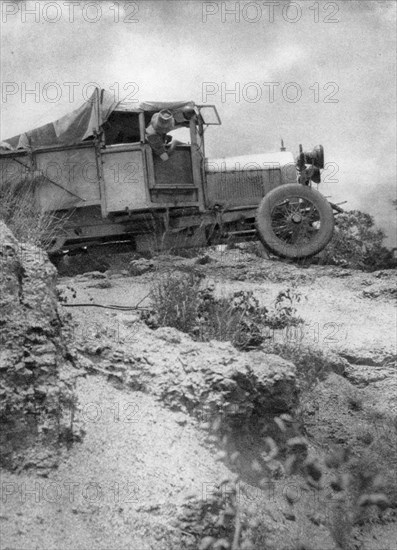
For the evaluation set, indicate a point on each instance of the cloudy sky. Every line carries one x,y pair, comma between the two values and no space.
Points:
309,72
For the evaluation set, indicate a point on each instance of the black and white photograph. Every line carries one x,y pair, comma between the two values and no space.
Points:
198,260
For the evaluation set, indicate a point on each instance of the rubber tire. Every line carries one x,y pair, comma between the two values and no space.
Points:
294,251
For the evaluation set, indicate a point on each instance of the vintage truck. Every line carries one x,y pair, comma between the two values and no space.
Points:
96,170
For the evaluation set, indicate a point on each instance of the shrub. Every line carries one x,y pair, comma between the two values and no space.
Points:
180,300
21,213
238,319
284,314
176,300
357,243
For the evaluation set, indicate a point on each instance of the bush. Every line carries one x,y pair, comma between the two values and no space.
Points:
357,243
21,213
180,300
238,319
176,300
284,314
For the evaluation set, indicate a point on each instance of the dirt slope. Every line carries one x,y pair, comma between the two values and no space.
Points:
140,459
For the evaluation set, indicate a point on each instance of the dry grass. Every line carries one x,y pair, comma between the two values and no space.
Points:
21,212
176,300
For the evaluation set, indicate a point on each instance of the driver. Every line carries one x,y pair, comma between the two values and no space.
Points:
156,134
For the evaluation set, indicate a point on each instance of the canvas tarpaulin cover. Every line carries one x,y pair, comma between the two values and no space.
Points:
83,122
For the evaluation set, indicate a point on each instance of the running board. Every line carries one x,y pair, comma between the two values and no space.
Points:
245,232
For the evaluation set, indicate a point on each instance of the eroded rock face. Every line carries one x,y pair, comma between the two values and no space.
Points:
36,392
203,379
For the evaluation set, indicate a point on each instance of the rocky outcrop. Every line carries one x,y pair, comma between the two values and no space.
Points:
36,380
140,266
203,379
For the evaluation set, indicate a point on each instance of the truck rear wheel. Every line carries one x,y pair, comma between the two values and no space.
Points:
295,221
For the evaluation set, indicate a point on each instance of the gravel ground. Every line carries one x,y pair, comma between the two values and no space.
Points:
344,310
124,484
120,488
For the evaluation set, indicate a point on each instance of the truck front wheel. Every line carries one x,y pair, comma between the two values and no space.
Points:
295,221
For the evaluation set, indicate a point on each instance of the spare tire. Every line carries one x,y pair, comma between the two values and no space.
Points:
295,221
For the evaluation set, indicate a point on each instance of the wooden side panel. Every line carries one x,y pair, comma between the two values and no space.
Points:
124,178
73,175
173,182
240,188
174,171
